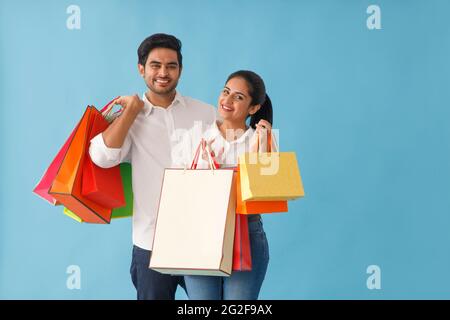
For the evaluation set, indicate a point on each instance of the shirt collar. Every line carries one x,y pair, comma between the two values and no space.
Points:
148,106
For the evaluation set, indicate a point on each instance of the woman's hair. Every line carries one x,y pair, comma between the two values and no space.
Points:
257,91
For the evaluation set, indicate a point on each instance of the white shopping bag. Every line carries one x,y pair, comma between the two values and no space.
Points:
195,224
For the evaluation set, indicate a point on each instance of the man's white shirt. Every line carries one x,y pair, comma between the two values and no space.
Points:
149,146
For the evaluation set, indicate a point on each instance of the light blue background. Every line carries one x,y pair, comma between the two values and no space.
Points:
366,112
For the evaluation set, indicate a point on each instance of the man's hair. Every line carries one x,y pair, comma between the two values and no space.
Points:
159,40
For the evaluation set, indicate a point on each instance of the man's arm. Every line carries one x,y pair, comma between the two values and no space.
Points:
115,134
112,146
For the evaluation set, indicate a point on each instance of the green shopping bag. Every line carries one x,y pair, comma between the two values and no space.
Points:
122,212
127,210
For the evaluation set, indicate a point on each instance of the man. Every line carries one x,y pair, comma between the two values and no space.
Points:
143,135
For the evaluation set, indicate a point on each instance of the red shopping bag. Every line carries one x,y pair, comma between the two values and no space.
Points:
43,186
46,181
242,257
101,185
66,186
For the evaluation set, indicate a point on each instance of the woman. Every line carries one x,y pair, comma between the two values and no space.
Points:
243,96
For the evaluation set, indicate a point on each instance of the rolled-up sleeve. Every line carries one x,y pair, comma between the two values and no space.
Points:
106,157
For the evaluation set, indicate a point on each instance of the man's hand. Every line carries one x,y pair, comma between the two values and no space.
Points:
130,104
115,134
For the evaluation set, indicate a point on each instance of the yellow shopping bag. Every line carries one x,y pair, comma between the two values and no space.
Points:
270,176
72,215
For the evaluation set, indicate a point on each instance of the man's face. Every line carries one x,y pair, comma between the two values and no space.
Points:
161,71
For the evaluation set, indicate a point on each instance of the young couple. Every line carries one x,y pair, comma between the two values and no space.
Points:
143,135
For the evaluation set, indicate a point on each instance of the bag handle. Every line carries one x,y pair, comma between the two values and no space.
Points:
109,104
106,110
204,147
212,163
270,141
216,165
197,154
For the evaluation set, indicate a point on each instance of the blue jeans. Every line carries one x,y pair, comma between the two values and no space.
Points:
241,285
150,284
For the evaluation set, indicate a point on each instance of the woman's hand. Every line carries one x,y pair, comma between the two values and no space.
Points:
263,125
213,154
263,128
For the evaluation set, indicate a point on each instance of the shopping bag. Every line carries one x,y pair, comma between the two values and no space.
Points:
101,185
46,181
122,212
242,258
66,187
194,230
127,210
256,207
72,215
270,176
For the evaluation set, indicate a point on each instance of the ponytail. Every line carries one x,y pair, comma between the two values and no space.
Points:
264,113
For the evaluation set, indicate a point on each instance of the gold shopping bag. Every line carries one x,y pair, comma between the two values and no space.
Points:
270,176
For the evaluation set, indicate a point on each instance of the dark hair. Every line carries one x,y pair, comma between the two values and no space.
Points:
159,40
257,91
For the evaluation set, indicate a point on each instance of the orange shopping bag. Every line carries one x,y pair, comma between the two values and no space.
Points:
257,207
66,187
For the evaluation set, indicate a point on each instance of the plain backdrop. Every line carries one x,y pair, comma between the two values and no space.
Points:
366,111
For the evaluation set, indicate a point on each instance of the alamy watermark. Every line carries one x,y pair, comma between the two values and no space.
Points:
374,280
73,21
186,142
74,279
373,22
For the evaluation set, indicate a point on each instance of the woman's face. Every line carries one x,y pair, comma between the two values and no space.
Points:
234,101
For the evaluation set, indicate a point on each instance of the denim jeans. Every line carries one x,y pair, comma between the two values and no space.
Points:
150,284
240,285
